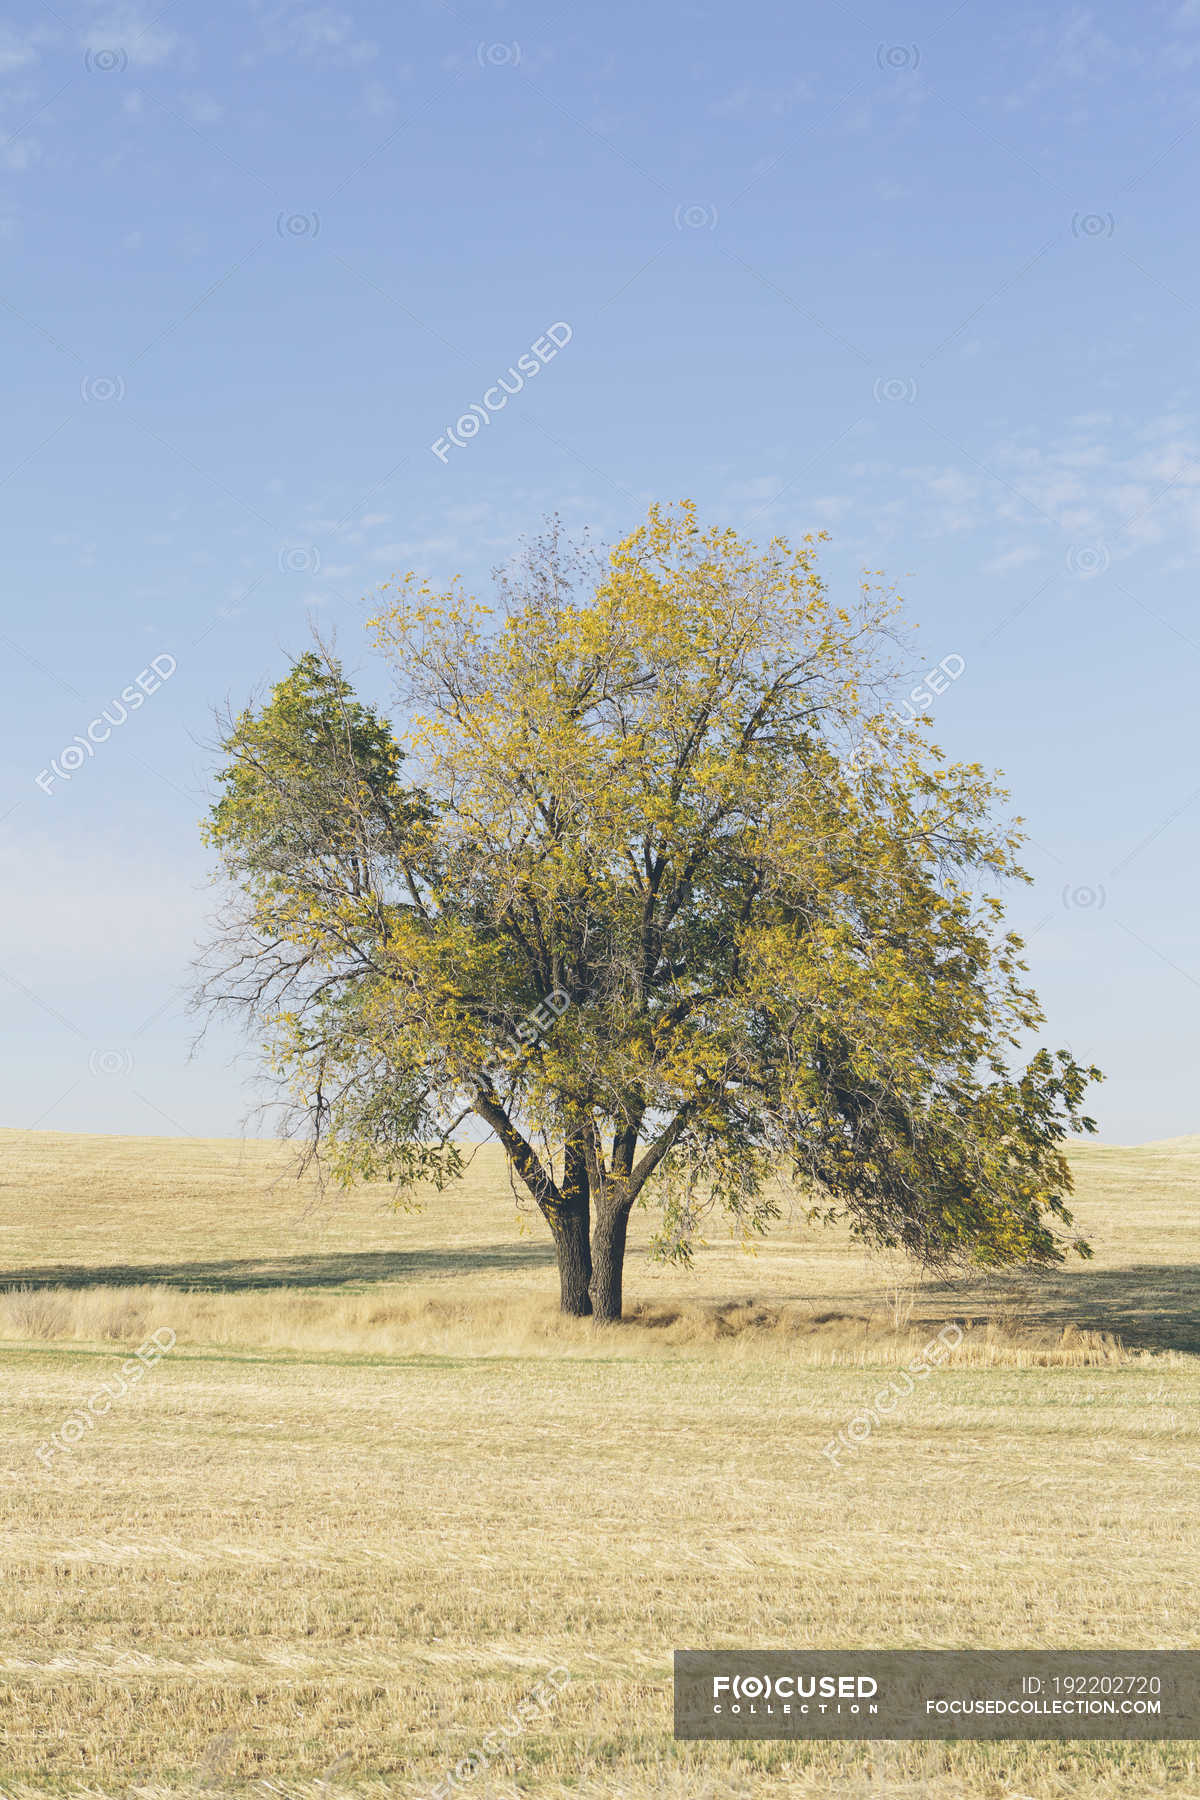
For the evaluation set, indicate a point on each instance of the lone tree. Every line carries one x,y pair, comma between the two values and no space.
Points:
674,902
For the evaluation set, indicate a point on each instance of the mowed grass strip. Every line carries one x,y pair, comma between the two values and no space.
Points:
263,1560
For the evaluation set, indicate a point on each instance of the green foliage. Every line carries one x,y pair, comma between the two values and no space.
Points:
311,808
312,780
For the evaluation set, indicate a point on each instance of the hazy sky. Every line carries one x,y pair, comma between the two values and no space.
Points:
923,276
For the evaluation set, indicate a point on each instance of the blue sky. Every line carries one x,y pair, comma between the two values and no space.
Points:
924,277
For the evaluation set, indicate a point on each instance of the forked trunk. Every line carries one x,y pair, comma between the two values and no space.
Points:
608,1258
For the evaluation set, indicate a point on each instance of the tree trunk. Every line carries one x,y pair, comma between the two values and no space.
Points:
608,1257
570,1229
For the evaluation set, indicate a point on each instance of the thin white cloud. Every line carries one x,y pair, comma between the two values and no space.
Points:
1072,52
19,49
1104,484
1015,558
130,32
315,34
21,155
755,101
204,109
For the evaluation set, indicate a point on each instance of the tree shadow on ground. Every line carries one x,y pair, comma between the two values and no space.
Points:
1149,1306
240,1275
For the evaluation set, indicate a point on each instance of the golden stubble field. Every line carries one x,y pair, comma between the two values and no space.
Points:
377,1490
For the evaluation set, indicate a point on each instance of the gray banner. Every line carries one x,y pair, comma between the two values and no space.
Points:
937,1694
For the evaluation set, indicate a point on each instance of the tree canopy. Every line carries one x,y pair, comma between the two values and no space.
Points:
621,882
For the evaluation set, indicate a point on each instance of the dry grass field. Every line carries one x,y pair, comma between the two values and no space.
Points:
377,1489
